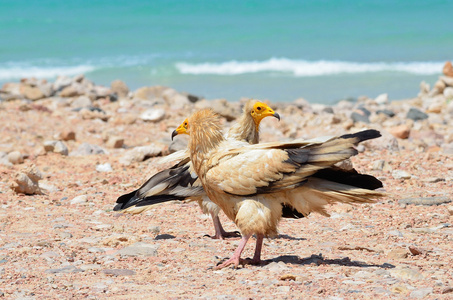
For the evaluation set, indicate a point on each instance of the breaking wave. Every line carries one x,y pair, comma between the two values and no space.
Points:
305,68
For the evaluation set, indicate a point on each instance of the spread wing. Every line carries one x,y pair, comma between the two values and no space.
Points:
271,167
179,182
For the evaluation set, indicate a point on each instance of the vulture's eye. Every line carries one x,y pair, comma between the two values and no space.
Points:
258,108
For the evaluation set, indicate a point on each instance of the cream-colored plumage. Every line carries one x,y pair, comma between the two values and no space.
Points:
252,183
167,184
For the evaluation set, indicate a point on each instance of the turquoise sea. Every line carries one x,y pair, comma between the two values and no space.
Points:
320,50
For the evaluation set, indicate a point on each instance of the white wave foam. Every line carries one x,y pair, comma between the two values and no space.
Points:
304,68
17,72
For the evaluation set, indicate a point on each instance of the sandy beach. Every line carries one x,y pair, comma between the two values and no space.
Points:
69,148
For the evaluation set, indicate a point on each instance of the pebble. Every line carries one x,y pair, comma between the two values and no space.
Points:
139,249
139,154
115,142
79,199
396,233
426,201
15,157
416,114
450,210
107,167
378,165
406,273
66,269
401,131
27,182
153,115
61,148
119,272
87,149
49,146
397,254
400,174
421,293
67,135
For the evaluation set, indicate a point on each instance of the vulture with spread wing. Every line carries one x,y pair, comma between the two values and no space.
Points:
253,183
180,182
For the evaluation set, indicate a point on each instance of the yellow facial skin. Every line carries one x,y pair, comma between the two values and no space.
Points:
260,111
182,129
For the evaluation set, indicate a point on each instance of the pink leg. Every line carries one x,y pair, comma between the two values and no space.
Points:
220,233
236,258
259,245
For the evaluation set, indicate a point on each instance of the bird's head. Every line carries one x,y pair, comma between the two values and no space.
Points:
182,129
260,110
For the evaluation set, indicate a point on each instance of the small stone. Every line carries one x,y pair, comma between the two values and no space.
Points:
396,233
107,167
49,146
406,273
118,272
447,290
378,165
401,131
67,269
416,115
154,229
288,277
397,254
421,293
32,93
448,69
115,142
450,210
153,115
427,201
382,99
386,112
81,101
359,117
61,148
448,93
139,154
27,182
87,149
414,250
120,88
67,135
139,249
79,199
15,157
400,174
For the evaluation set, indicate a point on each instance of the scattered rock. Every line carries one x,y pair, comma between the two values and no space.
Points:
115,142
421,293
139,154
416,115
32,93
400,174
447,290
397,254
382,99
15,157
107,167
401,131
448,69
79,199
359,116
153,115
406,273
428,201
414,250
139,249
67,269
118,272
87,149
120,88
67,135
450,210
61,148
27,182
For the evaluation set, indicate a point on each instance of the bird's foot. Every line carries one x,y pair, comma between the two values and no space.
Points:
224,235
234,260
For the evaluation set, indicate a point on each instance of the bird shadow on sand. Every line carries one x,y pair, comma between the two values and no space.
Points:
318,259
288,237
